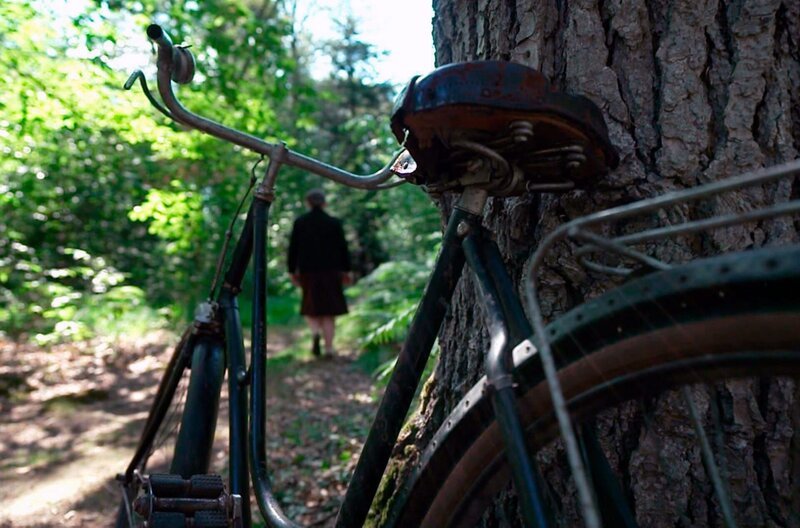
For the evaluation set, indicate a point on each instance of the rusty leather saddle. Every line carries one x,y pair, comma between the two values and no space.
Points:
500,111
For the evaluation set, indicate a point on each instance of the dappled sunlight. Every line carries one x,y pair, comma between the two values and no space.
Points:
114,218
75,426
362,398
48,496
69,427
317,420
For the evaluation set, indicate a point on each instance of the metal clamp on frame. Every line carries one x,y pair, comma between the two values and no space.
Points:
206,319
266,189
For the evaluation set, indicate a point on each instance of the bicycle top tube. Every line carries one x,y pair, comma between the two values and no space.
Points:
175,63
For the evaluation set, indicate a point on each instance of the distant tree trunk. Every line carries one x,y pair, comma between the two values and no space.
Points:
692,91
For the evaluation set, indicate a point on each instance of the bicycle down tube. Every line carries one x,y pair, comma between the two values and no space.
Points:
408,370
401,387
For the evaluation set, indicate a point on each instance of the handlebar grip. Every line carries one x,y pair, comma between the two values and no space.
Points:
181,60
159,36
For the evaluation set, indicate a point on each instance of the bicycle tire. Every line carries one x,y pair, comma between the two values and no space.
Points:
723,316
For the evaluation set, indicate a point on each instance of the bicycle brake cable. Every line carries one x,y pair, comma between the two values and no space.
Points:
229,232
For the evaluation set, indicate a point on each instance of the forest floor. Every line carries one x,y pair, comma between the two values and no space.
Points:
70,416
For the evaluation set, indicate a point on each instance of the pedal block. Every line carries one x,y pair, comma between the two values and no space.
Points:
210,519
171,501
198,486
167,520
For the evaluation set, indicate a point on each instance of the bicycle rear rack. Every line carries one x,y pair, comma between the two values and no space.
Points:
579,231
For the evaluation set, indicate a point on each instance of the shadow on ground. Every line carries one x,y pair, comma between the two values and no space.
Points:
70,416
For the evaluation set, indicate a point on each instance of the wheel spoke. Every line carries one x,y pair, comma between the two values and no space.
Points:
719,440
614,509
709,462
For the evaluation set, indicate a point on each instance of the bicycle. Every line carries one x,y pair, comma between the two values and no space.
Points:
484,129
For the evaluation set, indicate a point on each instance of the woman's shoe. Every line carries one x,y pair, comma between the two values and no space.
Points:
315,348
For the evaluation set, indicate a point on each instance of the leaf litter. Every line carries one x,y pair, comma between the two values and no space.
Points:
70,416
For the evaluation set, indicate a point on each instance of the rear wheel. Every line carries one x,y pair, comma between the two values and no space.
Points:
727,328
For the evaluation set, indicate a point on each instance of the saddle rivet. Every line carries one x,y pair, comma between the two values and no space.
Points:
463,228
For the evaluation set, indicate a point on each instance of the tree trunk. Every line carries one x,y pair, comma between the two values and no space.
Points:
692,91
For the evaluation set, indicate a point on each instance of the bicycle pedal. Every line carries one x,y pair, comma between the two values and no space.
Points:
210,519
167,520
171,501
197,486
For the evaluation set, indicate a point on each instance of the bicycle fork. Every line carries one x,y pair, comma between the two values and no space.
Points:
508,328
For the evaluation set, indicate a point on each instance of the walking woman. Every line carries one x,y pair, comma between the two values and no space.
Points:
319,263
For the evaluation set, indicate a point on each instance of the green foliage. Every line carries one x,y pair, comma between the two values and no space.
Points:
173,214
111,216
393,330
383,304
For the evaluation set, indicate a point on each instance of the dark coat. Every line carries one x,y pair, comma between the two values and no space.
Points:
317,244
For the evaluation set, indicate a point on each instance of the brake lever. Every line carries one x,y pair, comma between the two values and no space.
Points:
138,74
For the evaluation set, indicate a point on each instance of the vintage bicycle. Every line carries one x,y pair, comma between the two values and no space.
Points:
477,130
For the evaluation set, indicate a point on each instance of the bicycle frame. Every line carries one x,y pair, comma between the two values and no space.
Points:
464,242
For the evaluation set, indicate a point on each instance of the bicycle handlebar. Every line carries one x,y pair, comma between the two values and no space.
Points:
176,63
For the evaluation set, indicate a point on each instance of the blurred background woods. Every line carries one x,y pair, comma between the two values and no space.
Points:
111,215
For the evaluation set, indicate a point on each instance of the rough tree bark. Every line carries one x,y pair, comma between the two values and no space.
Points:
692,91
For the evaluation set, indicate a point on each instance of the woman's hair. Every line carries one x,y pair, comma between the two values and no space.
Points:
315,197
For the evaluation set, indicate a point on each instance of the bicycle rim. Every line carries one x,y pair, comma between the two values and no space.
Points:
719,331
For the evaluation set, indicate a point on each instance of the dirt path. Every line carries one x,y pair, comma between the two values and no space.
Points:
70,416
